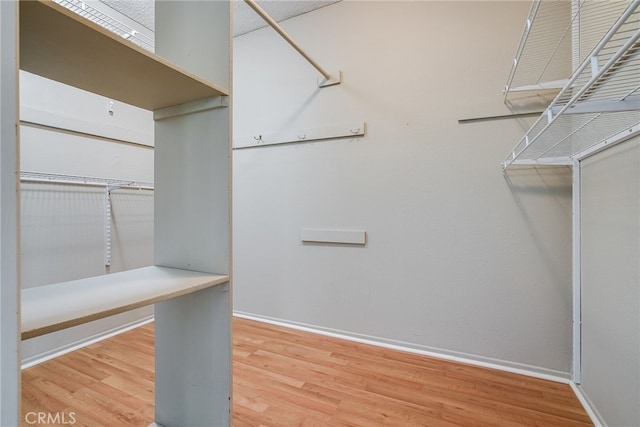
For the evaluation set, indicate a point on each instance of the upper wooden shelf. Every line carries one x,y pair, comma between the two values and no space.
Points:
60,45
50,308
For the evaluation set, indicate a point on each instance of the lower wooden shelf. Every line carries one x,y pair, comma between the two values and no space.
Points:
50,308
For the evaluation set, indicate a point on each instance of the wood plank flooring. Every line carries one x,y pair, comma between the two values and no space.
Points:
284,377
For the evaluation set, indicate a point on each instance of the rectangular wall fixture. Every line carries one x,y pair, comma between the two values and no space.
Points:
346,237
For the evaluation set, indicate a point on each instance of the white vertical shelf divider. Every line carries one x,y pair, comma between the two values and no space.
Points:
577,274
9,220
193,223
192,196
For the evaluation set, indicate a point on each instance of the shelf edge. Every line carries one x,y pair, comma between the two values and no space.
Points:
70,321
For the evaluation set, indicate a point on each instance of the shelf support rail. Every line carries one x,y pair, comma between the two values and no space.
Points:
329,79
554,111
107,226
577,275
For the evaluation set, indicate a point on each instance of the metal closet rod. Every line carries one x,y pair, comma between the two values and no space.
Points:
253,5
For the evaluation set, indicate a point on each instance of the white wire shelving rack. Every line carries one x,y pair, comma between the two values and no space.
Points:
108,184
540,60
599,104
91,10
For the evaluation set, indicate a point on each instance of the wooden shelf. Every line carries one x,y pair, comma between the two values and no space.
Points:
50,308
60,45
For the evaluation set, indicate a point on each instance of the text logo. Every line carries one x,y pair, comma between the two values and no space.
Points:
59,418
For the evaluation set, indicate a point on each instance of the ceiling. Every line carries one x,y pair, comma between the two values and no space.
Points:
244,18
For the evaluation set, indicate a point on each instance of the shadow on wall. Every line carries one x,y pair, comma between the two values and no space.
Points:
535,190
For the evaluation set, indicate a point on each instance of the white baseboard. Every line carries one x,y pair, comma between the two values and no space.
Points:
588,406
59,351
485,362
560,377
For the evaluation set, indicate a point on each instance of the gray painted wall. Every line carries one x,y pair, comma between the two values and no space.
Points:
610,199
62,229
460,258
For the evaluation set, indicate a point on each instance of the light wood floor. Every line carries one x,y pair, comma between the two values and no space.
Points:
284,377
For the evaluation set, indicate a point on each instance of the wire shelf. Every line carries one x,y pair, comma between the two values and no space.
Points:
540,57
601,100
87,11
54,178
558,36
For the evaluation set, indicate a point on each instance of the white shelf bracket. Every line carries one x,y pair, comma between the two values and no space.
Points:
328,78
331,80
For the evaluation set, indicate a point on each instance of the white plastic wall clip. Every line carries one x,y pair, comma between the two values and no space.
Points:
334,79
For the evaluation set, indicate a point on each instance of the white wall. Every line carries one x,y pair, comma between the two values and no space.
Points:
460,258
62,226
610,235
